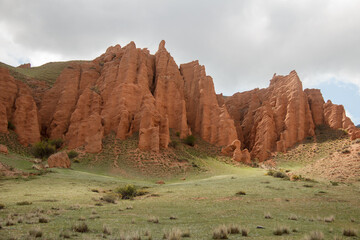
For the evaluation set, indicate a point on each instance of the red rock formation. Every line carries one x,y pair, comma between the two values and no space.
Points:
316,102
18,106
272,119
169,91
8,90
204,115
59,102
25,65
25,117
59,160
85,123
335,117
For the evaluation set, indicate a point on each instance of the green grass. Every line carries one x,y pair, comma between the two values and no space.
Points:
47,73
201,203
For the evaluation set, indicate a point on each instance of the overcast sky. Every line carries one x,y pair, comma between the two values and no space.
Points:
241,43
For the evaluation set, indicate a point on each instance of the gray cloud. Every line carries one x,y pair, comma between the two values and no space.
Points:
241,43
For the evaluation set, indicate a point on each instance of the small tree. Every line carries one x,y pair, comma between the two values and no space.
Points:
43,149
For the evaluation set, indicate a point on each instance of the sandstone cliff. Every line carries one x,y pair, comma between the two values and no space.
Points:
17,106
129,91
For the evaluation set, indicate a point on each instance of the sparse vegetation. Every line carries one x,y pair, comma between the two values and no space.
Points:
58,142
130,191
190,140
267,215
293,217
2,206
72,154
241,193
329,219
43,149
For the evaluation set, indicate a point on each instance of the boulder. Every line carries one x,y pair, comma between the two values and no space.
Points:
59,160
3,149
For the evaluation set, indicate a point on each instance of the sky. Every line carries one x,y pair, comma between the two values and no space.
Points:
241,43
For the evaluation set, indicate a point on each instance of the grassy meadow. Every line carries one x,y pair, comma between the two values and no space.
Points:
56,205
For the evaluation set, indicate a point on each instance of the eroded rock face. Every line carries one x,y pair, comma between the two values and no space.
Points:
272,119
59,160
25,65
204,114
335,117
18,106
316,103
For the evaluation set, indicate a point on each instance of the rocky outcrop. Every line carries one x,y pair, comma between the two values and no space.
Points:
129,91
234,150
204,114
18,107
25,65
59,160
316,103
272,119
335,117
169,91
3,149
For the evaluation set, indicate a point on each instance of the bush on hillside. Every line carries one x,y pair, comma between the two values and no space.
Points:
190,140
56,142
72,154
43,149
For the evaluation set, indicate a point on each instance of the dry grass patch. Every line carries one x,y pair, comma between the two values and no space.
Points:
36,232
281,230
349,232
80,227
221,232
153,219
315,235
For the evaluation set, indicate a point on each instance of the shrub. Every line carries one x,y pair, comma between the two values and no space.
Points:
185,234
58,142
315,235
349,232
11,126
220,232
127,192
72,154
80,227
190,140
35,232
43,149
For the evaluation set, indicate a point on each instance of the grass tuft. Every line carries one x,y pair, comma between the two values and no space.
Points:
281,230
80,227
35,232
221,232
349,232
315,235
153,219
